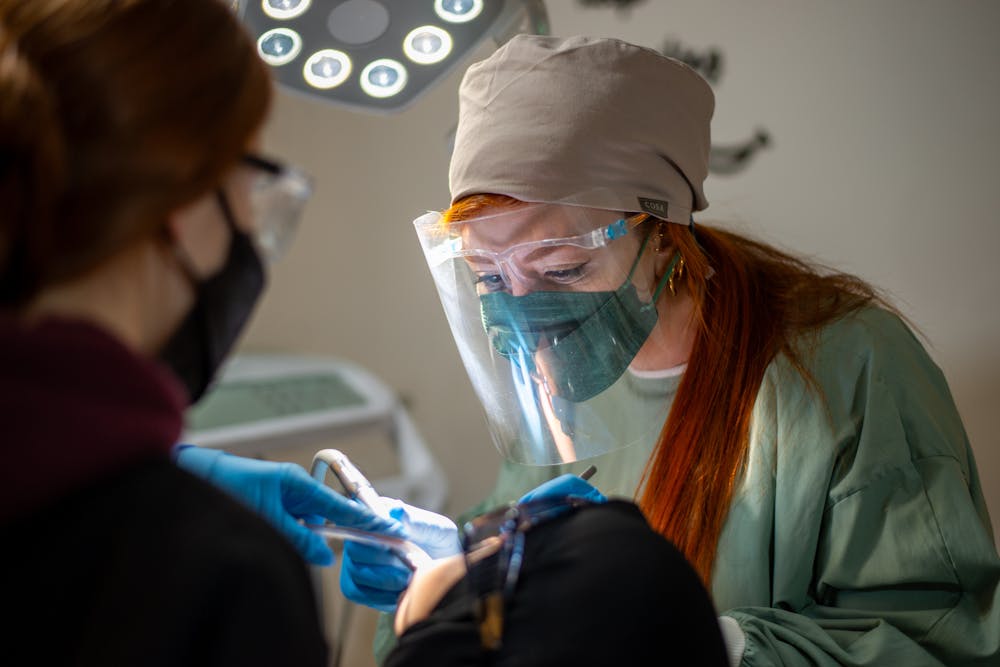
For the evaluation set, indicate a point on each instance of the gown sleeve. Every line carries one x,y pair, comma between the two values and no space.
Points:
880,550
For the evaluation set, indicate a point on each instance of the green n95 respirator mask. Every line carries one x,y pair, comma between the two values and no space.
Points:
583,341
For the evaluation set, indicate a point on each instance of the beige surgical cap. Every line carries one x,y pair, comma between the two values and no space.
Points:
584,121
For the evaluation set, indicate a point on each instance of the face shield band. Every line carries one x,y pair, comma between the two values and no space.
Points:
550,305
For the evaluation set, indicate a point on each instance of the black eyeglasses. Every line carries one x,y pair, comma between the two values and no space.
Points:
493,544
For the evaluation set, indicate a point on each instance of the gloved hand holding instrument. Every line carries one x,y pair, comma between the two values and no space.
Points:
285,495
375,577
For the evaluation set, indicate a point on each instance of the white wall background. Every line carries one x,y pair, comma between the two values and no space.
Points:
885,163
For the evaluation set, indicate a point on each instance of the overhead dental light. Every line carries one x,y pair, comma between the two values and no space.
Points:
326,68
279,46
427,45
378,55
458,11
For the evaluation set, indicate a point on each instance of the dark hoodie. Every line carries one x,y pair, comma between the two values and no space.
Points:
597,587
111,554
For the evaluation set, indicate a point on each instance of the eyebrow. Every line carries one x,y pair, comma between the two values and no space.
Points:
534,255
541,252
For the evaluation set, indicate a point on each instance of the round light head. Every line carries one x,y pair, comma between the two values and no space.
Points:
427,45
383,78
279,46
458,11
327,69
283,10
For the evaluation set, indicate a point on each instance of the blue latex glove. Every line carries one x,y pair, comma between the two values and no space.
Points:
282,493
374,577
565,485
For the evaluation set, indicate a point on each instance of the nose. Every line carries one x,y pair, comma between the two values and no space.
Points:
516,285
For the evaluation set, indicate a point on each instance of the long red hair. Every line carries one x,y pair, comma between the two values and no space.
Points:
757,303
751,303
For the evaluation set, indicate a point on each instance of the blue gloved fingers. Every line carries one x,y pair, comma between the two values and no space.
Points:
565,485
199,461
435,533
303,496
310,545
282,493
370,555
389,578
386,601
372,576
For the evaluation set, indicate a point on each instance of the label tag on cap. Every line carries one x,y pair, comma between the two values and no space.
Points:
655,207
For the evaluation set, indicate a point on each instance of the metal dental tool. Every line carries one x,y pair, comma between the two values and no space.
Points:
354,482
358,488
408,552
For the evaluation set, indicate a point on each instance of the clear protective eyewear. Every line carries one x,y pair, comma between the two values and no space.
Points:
545,264
277,197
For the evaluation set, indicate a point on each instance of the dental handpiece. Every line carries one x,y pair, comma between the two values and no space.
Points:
358,488
354,482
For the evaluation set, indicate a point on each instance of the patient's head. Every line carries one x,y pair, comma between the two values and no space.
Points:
596,587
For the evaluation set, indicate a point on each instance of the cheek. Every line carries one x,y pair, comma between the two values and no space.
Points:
203,234
623,259
645,277
612,272
428,586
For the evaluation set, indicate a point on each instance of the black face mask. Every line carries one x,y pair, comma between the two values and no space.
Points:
223,304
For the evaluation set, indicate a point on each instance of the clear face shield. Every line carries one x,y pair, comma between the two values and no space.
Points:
550,306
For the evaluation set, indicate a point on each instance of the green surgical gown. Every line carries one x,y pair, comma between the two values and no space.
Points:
858,534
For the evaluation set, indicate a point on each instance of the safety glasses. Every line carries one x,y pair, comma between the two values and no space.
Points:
553,263
493,544
278,195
